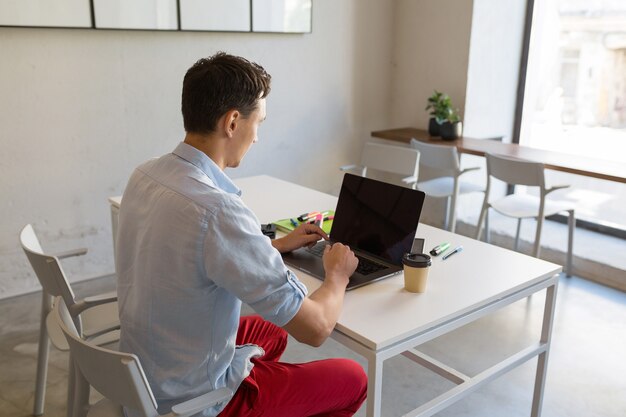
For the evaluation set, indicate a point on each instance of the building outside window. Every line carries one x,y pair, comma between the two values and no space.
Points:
575,96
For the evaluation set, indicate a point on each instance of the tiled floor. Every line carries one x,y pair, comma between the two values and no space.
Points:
587,370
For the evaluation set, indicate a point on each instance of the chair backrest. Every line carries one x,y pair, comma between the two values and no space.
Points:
443,158
47,268
515,171
389,158
118,376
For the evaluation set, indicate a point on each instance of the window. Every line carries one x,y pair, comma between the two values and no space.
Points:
575,96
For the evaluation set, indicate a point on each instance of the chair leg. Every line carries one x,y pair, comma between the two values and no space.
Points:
537,247
517,233
452,213
479,225
481,220
446,219
571,225
487,231
78,397
71,386
43,353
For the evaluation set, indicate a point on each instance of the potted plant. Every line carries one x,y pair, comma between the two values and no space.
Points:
445,120
438,113
452,127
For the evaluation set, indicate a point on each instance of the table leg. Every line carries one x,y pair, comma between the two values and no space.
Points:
542,362
374,386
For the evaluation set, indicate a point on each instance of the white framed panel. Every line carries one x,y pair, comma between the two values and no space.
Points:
285,16
217,15
136,14
46,13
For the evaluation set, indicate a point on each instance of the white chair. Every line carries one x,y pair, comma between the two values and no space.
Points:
99,322
119,377
518,172
388,158
445,163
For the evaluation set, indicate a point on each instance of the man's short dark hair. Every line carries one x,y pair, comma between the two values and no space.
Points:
218,84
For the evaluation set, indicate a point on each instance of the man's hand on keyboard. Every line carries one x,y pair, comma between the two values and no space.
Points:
303,235
339,263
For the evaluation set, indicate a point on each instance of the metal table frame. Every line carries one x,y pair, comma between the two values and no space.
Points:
465,384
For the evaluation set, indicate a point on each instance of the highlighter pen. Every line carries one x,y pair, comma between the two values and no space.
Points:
456,250
303,217
313,221
313,215
319,220
437,250
310,216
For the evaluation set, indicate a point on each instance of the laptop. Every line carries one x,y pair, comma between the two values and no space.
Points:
377,220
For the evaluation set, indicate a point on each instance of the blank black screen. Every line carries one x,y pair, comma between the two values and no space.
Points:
377,217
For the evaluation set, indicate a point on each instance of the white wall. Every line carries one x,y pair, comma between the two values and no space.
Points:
431,52
492,79
469,49
493,69
79,109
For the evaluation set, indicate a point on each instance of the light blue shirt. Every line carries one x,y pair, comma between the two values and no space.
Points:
188,253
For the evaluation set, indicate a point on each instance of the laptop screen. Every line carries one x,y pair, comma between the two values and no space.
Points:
377,217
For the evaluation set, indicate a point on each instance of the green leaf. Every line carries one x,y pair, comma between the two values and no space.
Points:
440,107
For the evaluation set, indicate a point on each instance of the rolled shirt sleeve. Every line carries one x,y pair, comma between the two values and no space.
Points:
247,265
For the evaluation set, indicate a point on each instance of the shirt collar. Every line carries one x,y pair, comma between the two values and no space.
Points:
206,164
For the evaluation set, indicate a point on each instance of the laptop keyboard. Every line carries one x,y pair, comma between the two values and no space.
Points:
318,249
365,267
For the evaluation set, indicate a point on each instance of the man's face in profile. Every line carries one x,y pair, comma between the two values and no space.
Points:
246,132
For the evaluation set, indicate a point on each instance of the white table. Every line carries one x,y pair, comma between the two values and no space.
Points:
382,320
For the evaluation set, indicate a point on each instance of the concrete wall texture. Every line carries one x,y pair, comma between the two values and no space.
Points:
79,109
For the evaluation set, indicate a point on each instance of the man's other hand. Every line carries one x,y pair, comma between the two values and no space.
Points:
304,235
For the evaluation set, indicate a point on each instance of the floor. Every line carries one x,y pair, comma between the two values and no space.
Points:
586,369
597,256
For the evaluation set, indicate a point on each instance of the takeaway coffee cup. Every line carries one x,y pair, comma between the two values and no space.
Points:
416,266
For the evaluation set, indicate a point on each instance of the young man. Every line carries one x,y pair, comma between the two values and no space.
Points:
189,252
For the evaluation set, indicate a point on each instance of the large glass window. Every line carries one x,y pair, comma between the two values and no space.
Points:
575,96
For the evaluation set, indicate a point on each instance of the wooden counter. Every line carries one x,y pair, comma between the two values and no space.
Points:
558,161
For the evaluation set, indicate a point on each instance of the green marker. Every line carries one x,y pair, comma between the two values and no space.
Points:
439,249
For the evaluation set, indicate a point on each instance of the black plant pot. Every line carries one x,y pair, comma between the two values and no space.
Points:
433,127
451,131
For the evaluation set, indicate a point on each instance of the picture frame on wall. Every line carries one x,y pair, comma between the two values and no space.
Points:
282,16
215,15
136,14
46,13
265,16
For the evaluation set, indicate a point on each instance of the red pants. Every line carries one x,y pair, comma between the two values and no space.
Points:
332,387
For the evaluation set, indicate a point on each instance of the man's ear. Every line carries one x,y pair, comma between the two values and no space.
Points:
230,122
